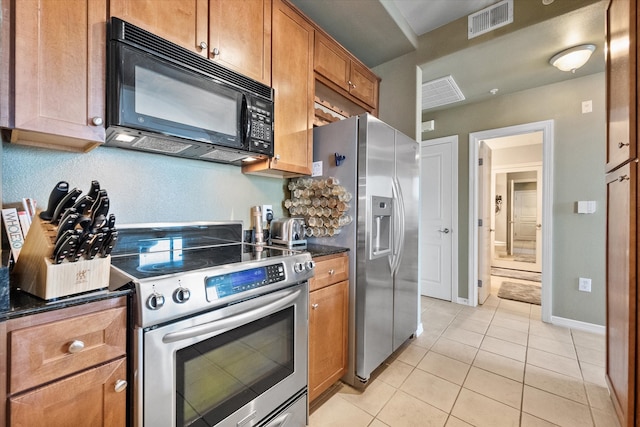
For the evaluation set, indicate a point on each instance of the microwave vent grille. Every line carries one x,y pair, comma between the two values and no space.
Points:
185,57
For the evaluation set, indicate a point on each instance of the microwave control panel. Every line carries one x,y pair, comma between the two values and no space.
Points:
261,135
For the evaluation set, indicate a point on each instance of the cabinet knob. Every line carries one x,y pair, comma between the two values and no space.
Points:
215,51
622,144
623,178
332,272
203,45
120,386
314,306
76,347
277,157
97,121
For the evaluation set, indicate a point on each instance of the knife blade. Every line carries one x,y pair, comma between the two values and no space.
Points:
66,202
66,248
59,191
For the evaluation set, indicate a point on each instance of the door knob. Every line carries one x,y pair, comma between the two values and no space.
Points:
445,231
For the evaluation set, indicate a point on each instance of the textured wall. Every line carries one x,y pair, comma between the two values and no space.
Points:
143,187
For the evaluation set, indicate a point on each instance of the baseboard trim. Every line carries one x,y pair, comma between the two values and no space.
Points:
420,330
463,301
577,324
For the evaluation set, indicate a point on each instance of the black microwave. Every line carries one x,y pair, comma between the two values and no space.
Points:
163,98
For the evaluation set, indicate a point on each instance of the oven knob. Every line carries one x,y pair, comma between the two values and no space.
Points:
181,295
298,267
155,301
310,265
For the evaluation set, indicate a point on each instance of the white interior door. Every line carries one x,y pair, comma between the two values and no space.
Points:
484,223
438,216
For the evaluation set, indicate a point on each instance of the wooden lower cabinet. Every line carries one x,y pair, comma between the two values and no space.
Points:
68,367
91,398
328,323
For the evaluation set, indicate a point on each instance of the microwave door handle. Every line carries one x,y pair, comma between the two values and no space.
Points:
232,321
245,119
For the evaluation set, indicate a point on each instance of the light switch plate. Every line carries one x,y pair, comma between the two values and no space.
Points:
584,284
316,169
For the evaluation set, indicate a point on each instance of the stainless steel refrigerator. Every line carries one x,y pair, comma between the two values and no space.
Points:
380,167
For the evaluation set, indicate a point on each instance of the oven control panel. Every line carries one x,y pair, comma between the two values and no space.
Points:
224,285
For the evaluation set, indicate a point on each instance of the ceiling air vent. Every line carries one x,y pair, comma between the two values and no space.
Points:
488,19
439,92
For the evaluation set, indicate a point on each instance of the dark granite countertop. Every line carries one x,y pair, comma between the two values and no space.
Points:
24,304
322,250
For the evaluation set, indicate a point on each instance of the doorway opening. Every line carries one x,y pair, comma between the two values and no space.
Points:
510,196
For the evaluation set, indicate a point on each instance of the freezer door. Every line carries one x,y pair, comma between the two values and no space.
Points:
374,286
407,187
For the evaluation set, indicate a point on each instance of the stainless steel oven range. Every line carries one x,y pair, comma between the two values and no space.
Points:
220,335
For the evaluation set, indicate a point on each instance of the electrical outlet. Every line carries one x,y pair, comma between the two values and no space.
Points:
587,107
265,210
584,284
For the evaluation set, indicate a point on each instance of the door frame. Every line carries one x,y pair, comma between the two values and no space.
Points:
546,127
453,140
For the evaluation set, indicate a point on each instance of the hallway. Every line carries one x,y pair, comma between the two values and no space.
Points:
494,365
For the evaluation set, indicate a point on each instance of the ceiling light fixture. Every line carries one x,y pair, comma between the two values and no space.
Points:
573,58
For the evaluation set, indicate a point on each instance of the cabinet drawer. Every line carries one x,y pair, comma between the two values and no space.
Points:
43,353
330,269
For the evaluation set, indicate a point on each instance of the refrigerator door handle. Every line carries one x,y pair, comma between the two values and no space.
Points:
399,225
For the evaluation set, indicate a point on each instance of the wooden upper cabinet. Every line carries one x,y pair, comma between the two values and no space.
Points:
331,61
236,34
621,82
240,36
60,51
293,84
183,22
339,68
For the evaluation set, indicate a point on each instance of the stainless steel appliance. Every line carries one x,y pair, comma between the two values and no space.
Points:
220,335
380,167
166,99
288,232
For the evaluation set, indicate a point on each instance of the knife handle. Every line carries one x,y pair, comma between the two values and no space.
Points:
57,194
94,190
64,204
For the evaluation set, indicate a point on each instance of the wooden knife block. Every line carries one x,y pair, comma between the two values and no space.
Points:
36,273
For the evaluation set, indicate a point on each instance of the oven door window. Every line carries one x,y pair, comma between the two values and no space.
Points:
216,377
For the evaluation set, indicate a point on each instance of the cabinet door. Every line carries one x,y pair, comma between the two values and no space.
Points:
363,85
621,289
90,398
183,22
328,330
240,36
59,70
621,82
292,81
331,61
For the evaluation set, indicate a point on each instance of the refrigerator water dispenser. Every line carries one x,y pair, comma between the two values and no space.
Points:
381,239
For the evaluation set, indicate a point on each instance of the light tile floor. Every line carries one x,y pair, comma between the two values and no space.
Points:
494,365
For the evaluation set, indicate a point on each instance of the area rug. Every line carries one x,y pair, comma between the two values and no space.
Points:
516,274
520,292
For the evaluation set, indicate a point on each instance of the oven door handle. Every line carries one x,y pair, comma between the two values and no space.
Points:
234,321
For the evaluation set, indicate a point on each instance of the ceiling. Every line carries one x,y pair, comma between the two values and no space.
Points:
377,31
